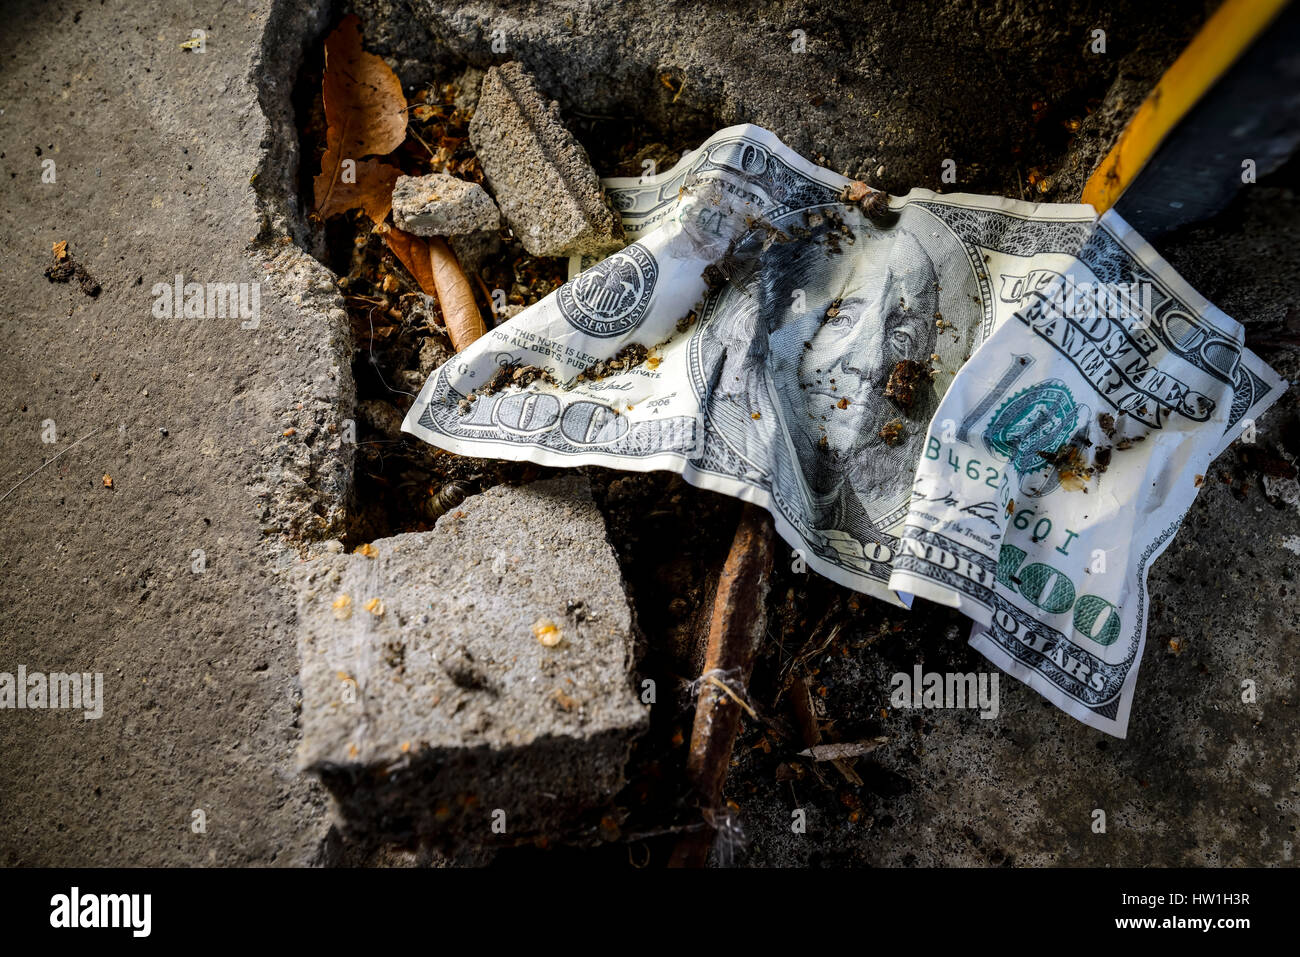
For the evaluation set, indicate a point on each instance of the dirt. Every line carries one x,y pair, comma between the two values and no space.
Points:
66,269
904,379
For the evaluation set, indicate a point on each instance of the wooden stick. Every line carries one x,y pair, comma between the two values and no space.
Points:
735,632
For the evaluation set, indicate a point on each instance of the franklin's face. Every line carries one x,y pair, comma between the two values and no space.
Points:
876,325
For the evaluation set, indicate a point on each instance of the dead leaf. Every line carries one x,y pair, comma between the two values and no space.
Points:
364,104
61,250
460,312
371,191
365,115
434,267
413,253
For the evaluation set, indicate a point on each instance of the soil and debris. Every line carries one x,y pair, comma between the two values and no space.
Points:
1071,468
511,375
629,357
65,269
893,432
905,379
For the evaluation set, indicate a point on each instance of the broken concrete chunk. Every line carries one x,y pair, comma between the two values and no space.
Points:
542,178
442,205
432,704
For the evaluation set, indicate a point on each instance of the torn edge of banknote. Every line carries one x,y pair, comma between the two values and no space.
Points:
1063,460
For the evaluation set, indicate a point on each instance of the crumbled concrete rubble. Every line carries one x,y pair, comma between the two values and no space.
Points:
442,205
471,676
542,178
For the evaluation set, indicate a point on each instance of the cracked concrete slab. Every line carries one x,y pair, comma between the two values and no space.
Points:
163,582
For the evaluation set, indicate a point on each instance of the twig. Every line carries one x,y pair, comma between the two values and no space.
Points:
421,141
810,731
738,624
715,680
838,752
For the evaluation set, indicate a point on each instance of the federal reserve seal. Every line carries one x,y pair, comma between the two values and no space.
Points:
1038,419
610,298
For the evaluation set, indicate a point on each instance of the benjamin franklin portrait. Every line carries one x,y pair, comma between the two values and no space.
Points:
799,357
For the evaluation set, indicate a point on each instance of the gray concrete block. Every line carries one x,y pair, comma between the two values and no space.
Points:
435,692
442,205
542,178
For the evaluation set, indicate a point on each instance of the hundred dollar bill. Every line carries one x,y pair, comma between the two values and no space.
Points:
774,334
762,337
1063,458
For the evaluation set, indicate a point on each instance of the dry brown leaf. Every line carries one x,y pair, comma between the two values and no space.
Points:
372,190
365,108
413,252
365,115
460,312
435,268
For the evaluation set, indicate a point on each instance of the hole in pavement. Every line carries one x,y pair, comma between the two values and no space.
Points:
670,537
400,483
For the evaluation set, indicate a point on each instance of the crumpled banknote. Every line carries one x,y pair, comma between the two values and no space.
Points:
782,334
1063,459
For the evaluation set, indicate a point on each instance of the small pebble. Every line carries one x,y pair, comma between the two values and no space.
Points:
547,632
